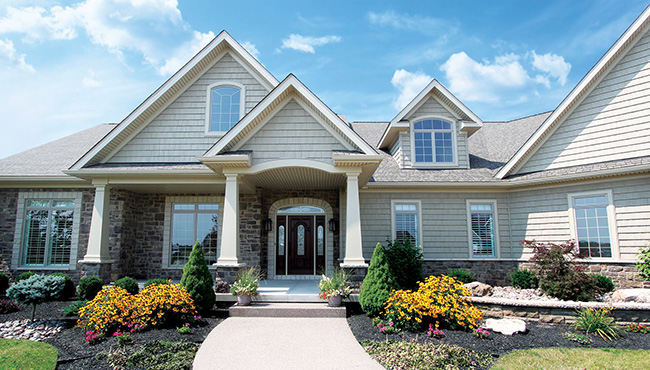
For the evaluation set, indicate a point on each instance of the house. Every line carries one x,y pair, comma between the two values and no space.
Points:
263,173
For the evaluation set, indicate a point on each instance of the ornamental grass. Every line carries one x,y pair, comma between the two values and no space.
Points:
114,309
440,300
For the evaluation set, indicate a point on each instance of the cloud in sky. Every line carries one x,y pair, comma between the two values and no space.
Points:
417,23
147,27
251,48
306,44
10,56
409,85
505,79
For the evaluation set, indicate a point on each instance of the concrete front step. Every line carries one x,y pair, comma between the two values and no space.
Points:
282,298
287,310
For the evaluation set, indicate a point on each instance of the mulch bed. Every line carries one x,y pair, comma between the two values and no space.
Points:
75,353
539,335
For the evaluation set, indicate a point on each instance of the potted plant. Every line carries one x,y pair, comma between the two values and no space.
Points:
246,285
334,288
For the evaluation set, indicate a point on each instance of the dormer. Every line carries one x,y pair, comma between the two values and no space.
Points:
431,131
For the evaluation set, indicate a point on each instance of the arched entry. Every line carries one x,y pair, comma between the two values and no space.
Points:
300,243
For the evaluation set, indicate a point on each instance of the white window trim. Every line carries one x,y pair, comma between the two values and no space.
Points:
392,218
497,247
20,218
454,143
611,220
208,104
167,237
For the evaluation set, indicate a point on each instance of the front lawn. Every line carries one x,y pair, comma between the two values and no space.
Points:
25,354
575,358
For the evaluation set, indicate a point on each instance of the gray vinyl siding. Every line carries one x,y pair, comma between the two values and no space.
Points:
405,139
444,232
293,133
611,123
431,107
177,134
396,152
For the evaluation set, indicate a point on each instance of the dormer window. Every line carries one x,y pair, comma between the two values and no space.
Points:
433,142
225,107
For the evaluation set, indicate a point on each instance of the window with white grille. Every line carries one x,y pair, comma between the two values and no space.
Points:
406,221
482,228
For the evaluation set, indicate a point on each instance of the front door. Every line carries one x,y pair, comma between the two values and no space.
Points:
300,246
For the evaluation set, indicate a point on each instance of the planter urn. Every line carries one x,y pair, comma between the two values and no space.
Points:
334,301
243,300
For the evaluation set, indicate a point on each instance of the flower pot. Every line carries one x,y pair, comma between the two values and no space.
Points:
334,301
243,300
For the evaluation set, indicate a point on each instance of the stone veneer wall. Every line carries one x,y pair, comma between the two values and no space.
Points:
8,205
624,275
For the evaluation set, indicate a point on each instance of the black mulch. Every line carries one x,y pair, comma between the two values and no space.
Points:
539,335
75,353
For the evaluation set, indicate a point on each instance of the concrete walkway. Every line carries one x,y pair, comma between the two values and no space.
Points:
282,343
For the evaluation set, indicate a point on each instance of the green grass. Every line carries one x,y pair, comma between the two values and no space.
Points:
25,354
575,358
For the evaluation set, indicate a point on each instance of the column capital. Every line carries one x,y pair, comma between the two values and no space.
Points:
353,173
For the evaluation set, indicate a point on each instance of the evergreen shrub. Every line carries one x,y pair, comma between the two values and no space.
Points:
129,284
377,284
4,282
462,275
198,281
405,262
524,279
89,287
24,275
36,290
68,289
643,263
603,283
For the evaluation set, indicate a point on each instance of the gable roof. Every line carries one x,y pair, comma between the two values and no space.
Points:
175,85
582,89
290,86
471,121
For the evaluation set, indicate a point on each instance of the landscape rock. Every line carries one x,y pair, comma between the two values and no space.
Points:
479,289
631,295
25,329
505,326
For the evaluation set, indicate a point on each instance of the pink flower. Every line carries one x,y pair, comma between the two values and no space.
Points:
390,323
382,329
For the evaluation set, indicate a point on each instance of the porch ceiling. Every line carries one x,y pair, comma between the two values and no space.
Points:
296,178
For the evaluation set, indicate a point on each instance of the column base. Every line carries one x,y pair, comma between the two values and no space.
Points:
228,273
100,269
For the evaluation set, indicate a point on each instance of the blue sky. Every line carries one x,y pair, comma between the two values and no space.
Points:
68,65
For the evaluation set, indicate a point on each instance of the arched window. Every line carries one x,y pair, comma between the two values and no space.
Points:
433,141
225,107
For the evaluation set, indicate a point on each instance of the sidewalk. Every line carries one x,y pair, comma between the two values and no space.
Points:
282,343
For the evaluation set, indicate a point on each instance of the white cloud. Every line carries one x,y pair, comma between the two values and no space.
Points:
37,24
417,23
409,85
552,64
185,52
306,44
91,81
9,54
251,48
505,80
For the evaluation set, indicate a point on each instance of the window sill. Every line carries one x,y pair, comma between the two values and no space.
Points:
434,165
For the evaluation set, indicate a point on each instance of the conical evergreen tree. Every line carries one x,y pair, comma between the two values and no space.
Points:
378,283
198,281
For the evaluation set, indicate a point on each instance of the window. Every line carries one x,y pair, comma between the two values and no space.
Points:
406,221
47,238
592,224
433,141
482,228
225,107
192,222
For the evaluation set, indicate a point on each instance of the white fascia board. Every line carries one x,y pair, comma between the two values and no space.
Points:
584,86
222,37
413,104
41,181
288,82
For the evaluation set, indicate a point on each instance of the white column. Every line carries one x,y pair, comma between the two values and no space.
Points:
353,246
230,226
97,251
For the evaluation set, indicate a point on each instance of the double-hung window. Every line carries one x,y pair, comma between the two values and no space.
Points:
406,221
433,142
592,223
192,222
47,232
482,228
225,107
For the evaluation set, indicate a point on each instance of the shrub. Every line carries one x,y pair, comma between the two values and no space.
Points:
156,281
4,282
8,306
560,275
129,284
440,300
596,320
89,287
24,276
462,275
114,309
36,290
643,263
198,281
405,262
524,279
377,284
221,286
603,283
68,289
73,308
157,354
